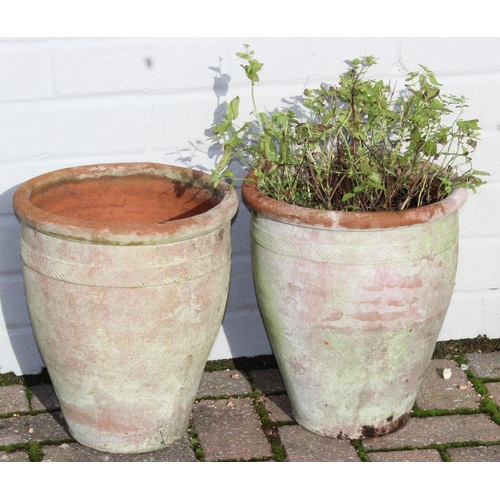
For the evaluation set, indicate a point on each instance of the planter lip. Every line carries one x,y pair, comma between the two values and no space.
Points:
336,220
117,233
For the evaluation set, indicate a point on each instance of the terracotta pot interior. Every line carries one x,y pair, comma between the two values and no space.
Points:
128,199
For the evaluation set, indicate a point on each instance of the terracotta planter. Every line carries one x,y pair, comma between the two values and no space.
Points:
126,270
353,304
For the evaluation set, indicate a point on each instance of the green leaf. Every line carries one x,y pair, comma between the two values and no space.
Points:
281,119
430,148
376,180
252,69
430,75
221,128
468,126
348,196
442,135
233,109
376,185
430,93
439,106
232,143
224,161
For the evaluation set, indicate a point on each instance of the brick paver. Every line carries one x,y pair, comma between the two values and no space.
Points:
494,391
44,398
268,381
406,456
484,364
436,392
14,456
304,446
279,408
180,451
13,399
223,383
26,429
421,432
475,454
229,429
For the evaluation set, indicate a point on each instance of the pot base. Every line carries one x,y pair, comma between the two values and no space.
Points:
365,431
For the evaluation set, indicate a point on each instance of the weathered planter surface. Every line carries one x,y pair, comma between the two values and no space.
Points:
353,304
126,270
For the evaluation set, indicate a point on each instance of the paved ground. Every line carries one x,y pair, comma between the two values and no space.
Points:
243,415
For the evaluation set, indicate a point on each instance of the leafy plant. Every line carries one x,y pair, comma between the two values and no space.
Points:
356,146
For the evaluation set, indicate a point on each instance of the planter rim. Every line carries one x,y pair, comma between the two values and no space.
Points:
336,220
117,233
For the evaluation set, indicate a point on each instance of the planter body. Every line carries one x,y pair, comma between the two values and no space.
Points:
353,305
126,294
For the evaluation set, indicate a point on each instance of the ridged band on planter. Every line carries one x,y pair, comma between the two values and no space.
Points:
125,313
353,305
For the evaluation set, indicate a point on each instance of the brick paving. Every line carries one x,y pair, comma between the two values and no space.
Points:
304,446
484,364
230,430
446,394
494,391
246,416
406,456
181,451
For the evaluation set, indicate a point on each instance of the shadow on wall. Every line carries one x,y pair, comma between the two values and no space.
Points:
18,337
188,156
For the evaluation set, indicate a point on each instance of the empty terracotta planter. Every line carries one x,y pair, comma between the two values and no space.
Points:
353,304
126,270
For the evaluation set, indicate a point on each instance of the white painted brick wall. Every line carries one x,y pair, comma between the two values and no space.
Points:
74,101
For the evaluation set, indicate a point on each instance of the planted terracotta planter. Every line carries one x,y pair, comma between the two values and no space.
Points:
126,270
353,304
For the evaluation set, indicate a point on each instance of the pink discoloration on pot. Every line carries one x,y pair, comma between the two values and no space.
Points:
126,308
353,305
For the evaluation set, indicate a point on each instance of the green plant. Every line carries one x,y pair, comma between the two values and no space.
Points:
356,146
